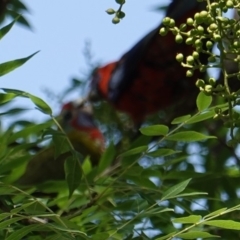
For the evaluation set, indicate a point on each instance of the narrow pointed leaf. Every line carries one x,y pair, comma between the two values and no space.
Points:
4,30
107,157
20,233
188,136
163,152
73,172
215,213
6,97
196,235
134,151
11,65
201,117
188,219
227,224
203,101
175,190
42,105
181,119
168,236
154,130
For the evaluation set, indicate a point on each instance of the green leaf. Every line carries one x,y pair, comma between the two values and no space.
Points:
227,224
201,117
215,213
61,145
188,136
6,97
175,190
203,101
6,29
73,172
163,152
181,119
168,236
107,158
13,111
100,236
154,130
7,222
11,65
196,234
29,130
188,219
41,105
23,231
134,151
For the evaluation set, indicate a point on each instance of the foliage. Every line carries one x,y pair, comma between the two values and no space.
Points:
171,181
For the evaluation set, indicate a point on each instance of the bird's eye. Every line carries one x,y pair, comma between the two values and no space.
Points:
67,116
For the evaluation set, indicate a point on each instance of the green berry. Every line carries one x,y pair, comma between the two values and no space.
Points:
200,83
190,60
178,38
189,41
209,44
115,20
200,29
110,11
121,14
203,14
195,55
189,73
216,37
198,43
163,31
212,81
183,27
172,23
213,26
229,4
166,21
190,21
208,88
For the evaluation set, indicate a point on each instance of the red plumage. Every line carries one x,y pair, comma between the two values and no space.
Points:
148,78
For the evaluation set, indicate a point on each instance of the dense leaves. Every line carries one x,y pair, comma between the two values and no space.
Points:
178,180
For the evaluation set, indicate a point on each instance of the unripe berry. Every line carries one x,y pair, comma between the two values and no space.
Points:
200,83
190,21
178,38
209,44
189,41
189,73
229,4
172,23
166,21
115,20
208,88
163,31
121,14
195,55
212,81
190,60
179,57
110,11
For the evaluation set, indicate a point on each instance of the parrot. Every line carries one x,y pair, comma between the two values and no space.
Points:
148,77
83,133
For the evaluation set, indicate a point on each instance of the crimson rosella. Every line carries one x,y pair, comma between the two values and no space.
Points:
86,138
148,78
